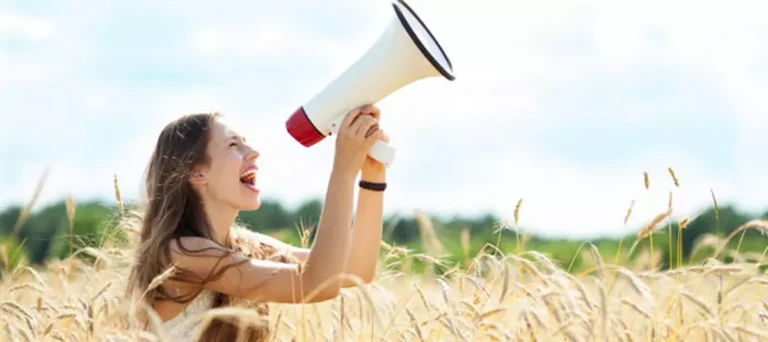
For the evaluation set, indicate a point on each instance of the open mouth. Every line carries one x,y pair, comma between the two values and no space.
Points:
249,179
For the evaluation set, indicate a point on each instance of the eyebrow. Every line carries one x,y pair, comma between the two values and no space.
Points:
236,137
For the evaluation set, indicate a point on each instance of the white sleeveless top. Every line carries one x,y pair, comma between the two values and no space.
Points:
187,325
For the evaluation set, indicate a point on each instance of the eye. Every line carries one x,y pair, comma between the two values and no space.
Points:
232,144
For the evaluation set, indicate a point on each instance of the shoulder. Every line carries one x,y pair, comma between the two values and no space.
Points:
198,254
260,238
281,247
193,245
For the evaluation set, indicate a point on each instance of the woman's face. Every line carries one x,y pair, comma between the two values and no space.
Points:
230,177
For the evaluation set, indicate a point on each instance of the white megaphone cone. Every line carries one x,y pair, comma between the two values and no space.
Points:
404,53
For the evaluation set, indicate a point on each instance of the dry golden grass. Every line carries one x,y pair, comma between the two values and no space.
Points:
519,296
76,300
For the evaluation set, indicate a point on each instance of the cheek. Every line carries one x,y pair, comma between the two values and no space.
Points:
227,172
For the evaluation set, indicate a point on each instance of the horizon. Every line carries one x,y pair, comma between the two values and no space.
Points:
443,216
565,106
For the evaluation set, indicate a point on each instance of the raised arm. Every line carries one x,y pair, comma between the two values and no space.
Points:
263,280
369,219
321,276
366,235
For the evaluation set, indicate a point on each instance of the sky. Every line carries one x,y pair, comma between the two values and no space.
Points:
561,103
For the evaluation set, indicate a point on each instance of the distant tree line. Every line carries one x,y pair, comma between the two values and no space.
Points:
47,233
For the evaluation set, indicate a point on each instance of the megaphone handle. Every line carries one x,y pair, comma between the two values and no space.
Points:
382,152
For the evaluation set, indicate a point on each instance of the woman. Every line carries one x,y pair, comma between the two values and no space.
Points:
201,174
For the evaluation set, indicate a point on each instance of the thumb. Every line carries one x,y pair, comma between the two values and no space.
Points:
373,138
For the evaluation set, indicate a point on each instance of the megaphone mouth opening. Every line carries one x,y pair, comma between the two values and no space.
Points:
445,69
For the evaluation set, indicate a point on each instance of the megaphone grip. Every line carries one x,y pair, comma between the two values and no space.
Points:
382,152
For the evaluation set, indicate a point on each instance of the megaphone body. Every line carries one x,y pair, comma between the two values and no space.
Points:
404,53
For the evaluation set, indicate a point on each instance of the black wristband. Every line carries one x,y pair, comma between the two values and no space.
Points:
373,186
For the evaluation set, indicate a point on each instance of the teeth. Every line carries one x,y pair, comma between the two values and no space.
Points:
248,173
248,177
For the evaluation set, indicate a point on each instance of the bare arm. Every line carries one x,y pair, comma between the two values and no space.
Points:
300,253
365,241
263,280
366,235
320,277
366,238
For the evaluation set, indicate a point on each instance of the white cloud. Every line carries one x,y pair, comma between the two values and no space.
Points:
256,39
538,86
16,25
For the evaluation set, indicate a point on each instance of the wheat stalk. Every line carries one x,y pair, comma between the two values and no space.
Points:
71,219
118,197
24,215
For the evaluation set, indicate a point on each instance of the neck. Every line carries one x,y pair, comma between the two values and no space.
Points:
221,217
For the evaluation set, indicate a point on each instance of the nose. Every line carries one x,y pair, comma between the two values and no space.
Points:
251,154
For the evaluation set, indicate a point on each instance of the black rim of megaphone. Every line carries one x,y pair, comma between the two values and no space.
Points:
446,73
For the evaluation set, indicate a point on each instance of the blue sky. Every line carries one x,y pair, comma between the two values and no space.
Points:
562,103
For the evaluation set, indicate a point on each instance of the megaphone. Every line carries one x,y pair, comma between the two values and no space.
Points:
405,52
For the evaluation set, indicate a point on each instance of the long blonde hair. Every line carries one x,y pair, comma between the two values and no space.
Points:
173,210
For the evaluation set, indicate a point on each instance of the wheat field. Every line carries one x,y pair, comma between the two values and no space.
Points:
519,295
496,298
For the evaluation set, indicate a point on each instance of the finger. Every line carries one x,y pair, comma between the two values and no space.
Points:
354,126
365,128
376,136
369,110
384,136
366,122
359,121
349,119
372,110
371,130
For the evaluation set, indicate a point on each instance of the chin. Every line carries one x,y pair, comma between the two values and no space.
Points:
249,198
250,204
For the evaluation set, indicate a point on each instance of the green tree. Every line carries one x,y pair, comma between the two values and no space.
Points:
8,218
92,223
40,230
269,217
727,219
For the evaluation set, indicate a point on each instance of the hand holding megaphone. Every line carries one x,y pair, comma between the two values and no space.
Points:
406,52
381,151
356,135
